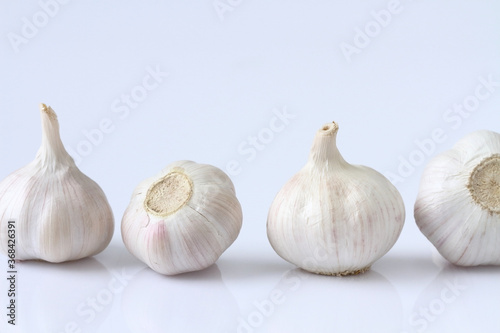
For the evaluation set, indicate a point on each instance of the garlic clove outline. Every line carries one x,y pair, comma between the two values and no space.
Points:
183,219
458,202
60,213
334,218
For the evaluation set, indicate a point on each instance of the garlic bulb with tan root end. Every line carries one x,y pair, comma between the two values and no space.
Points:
59,213
183,219
334,218
458,203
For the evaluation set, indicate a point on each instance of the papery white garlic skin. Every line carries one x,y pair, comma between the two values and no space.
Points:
458,203
60,214
183,219
334,218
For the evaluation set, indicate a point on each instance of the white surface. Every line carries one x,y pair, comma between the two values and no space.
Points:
228,75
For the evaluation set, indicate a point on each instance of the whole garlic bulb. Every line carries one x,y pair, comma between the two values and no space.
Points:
458,203
183,219
60,214
334,218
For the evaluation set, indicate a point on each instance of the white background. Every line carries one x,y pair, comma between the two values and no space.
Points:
229,71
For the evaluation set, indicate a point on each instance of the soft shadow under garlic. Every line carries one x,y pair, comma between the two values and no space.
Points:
458,299
408,267
248,268
116,257
306,302
54,297
191,302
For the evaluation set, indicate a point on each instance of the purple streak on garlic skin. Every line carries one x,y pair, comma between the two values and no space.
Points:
61,214
334,218
183,219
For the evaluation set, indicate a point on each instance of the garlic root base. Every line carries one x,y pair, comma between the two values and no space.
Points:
344,273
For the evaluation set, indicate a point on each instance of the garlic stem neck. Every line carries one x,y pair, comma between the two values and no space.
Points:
324,152
52,150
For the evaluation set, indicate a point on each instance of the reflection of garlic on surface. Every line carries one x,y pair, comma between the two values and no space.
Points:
332,217
458,204
183,219
60,213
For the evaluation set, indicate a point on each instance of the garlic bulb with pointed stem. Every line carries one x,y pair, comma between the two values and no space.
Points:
60,214
332,217
183,219
458,203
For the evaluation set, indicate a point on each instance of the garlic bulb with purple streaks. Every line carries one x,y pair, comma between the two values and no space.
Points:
334,218
183,219
458,203
59,213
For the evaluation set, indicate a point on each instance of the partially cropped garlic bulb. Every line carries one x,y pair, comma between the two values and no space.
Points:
458,204
183,219
60,214
332,217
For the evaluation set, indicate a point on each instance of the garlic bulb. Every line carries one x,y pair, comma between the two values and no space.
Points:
60,214
183,219
458,203
332,217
